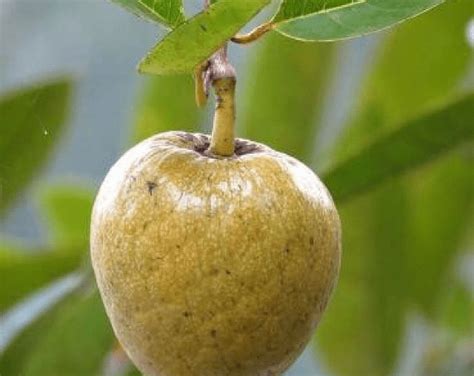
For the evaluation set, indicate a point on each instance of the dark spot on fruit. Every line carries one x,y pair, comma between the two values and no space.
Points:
203,27
287,250
243,147
213,333
228,272
311,240
200,144
188,137
186,314
151,186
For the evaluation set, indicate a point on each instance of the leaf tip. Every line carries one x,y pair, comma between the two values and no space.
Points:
143,66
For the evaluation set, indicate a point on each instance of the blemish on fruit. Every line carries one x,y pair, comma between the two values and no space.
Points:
151,186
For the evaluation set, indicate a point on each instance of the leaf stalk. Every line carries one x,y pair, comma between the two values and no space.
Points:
255,34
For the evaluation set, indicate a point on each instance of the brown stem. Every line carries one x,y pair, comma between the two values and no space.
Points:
221,74
223,78
253,35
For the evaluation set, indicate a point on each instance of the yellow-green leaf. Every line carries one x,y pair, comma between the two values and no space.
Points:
76,343
22,273
37,114
325,20
67,210
401,239
199,37
167,12
404,149
284,94
166,103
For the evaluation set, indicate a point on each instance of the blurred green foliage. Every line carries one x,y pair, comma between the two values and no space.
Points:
23,272
401,240
401,175
36,114
57,202
76,343
66,209
285,93
412,144
160,111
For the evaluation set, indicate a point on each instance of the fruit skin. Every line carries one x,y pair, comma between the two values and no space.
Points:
211,266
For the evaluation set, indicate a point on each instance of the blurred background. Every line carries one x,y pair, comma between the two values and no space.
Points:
404,303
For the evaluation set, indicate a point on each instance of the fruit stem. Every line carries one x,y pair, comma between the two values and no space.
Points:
222,76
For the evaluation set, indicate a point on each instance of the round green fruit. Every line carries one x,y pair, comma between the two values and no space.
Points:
213,266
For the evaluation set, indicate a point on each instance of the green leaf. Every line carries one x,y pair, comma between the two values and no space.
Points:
442,205
457,310
36,114
158,111
199,37
323,20
13,358
284,94
406,148
389,98
67,210
76,343
22,273
360,332
167,12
